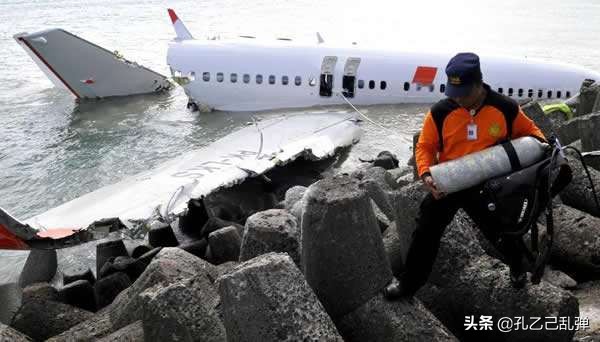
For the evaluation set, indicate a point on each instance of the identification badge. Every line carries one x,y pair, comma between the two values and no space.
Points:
472,132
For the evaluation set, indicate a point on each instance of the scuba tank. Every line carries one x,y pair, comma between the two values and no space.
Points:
475,168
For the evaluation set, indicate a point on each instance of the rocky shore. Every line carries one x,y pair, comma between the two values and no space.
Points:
309,263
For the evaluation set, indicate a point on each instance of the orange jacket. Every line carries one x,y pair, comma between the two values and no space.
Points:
492,127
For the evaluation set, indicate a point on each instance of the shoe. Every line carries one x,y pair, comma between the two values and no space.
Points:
519,280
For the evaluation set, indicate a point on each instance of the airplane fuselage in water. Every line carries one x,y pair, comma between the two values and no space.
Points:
249,74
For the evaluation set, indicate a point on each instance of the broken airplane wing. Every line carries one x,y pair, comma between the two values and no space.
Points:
251,151
87,70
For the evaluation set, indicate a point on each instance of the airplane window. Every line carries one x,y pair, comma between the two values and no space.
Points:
520,92
361,84
406,86
540,93
206,76
233,78
530,93
312,82
383,85
192,76
220,77
272,79
568,94
419,87
371,84
246,78
259,79
549,94
500,90
431,88
510,91
285,80
559,94
442,88
298,80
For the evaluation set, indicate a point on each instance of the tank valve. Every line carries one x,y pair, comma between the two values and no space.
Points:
491,206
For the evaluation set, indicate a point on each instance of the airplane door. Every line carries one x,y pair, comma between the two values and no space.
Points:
349,78
327,69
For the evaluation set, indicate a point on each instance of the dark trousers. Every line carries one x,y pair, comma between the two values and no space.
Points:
433,218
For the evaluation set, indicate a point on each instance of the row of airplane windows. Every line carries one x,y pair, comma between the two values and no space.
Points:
233,78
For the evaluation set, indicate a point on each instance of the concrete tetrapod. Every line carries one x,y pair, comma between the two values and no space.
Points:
342,249
267,299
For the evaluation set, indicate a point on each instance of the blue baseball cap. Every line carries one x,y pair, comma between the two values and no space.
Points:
463,71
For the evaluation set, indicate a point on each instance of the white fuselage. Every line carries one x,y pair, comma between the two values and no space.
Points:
248,74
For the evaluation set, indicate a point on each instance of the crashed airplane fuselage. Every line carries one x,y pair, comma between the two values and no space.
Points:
166,190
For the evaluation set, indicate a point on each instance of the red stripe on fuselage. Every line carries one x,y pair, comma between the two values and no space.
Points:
49,67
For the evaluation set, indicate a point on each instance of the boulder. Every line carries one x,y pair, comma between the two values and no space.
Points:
40,291
77,272
588,133
194,218
559,279
215,223
197,247
126,264
342,249
98,326
80,294
267,299
292,196
169,266
225,244
41,319
393,249
578,194
576,248
106,289
382,320
588,96
40,267
226,267
140,250
147,257
483,288
8,334
134,332
108,250
399,177
534,111
197,320
588,295
161,235
274,230
10,297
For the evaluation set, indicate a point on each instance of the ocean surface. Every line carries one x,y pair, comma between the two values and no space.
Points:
53,150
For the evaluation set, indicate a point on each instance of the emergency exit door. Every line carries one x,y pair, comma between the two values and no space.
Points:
327,70
349,78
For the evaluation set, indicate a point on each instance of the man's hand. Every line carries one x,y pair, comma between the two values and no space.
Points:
430,184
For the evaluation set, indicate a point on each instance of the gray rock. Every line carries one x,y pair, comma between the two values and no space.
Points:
588,295
40,291
590,139
534,111
378,195
483,288
197,247
108,250
80,294
10,297
40,319
226,267
39,267
108,288
559,279
273,230
169,266
267,299
161,235
578,194
383,320
197,320
399,177
8,334
91,329
568,131
293,195
393,249
132,333
225,244
576,248
342,249
77,272
588,95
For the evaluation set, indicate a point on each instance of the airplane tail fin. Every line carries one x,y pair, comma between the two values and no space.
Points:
180,29
85,69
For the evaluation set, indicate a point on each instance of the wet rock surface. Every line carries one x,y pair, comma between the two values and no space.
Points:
9,334
225,245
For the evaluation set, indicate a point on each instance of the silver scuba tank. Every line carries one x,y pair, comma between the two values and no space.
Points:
475,168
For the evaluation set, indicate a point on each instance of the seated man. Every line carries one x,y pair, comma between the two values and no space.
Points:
472,118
